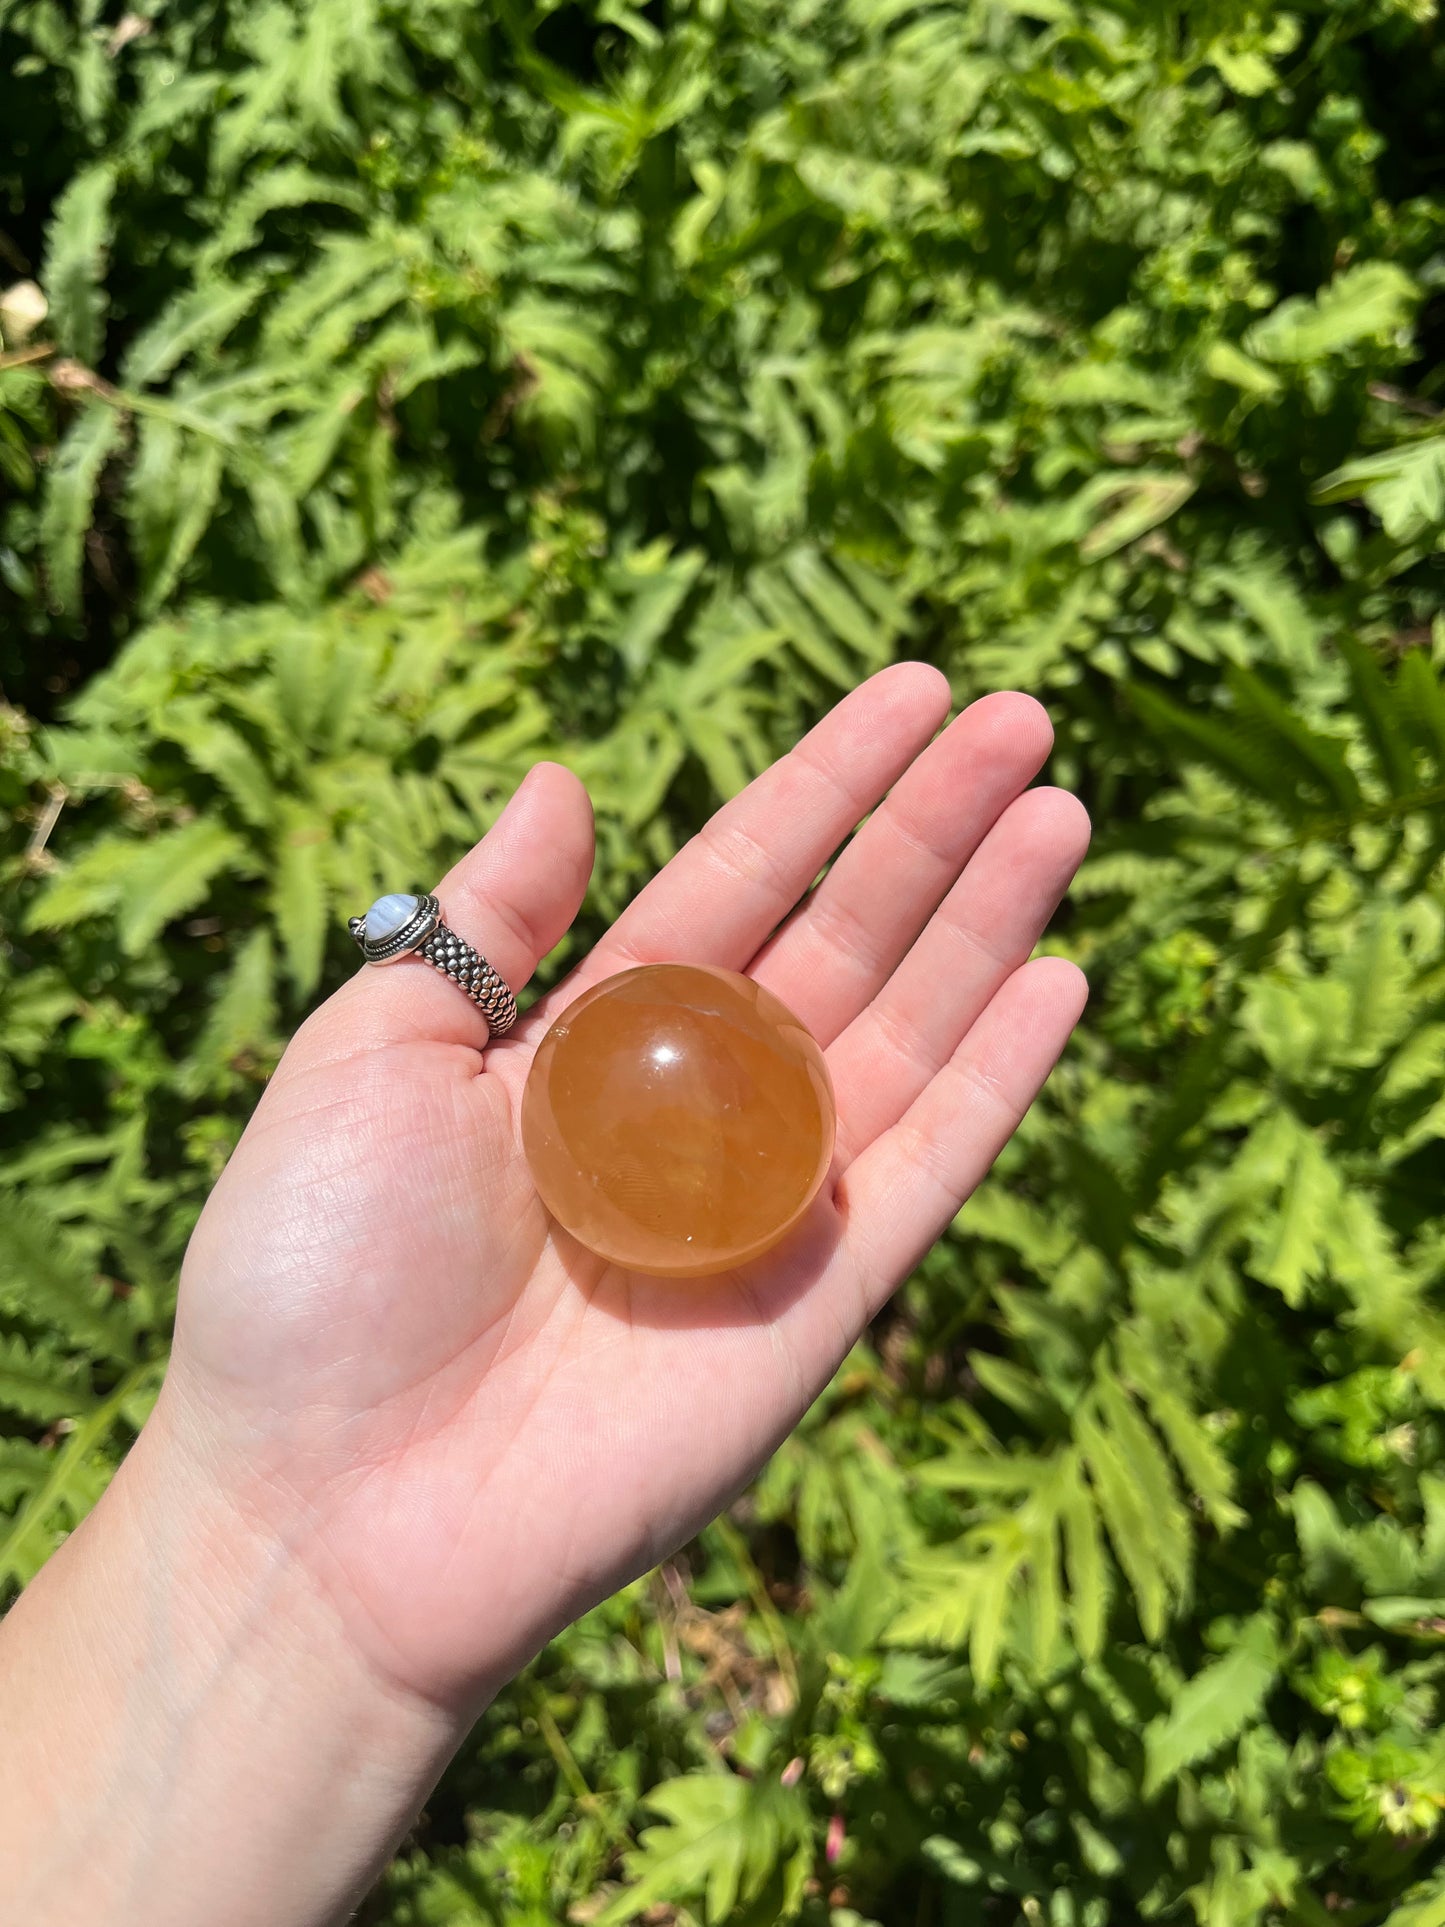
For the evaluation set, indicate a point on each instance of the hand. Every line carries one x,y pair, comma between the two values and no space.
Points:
409,1429
468,1428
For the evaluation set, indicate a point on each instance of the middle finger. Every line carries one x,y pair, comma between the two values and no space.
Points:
832,957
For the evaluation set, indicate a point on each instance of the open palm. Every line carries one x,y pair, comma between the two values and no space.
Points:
467,1427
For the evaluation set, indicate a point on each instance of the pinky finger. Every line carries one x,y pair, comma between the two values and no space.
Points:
901,1194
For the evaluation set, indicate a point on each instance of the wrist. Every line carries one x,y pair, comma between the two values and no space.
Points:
184,1690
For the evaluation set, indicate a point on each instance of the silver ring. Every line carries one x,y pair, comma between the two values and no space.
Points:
408,926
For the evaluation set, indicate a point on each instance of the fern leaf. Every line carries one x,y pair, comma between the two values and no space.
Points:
198,317
960,1470
1150,1470
728,638
719,1835
268,191
1020,1390
244,1014
1421,699
659,583
1261,586
1317,759
300,900
70,486
835,603
1225,362
1404,486
786,609
1002,1216
1141,501
1367,302
888,608
1324,1544
552,332
1008,1550
171,874
1211,740
170,523
152,494
76,1477
24,1468
1378,977
88,887
223,753
302,674
1432,1548
1214,1707
1209,1473
47,1277
1420,1613
40,1384
1384,718
75,251
1043,1553
1126,1518
1418,1065
1288,1243
938,1604
1084,1563
1427,1911
278,520
715,749
311,447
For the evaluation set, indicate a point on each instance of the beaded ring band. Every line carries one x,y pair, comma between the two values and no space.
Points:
398,926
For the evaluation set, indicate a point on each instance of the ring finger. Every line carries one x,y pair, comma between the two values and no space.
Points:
839,949
982,932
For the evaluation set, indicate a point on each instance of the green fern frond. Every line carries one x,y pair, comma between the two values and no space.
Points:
69,503
76,1475
74,268
48,1277
301,900
40,1383
1316,759
1384,716
1242,760
243,1017
24,1468
728,1837
170,874
1214,1707
1208,1474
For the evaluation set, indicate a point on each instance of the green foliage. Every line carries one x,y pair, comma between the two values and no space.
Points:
724,1837
425,390
1217,1705
75,262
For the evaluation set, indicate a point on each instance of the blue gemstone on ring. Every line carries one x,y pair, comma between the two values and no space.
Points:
388,914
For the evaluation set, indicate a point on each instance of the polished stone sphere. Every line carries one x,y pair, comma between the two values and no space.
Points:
678,1119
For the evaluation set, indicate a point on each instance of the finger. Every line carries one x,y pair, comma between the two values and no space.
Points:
512,897
738,878
985,928
831,958
904,1191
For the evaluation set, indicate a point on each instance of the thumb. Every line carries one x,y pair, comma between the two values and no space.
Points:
511,897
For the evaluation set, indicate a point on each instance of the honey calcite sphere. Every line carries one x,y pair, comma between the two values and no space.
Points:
678,1119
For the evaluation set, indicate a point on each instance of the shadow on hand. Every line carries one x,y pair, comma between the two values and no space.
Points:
752,1294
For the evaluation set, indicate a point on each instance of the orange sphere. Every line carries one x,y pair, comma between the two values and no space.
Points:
678,1119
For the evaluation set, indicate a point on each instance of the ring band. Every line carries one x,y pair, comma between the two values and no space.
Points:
404,926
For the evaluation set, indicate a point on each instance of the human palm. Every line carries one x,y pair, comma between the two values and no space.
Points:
466,1426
